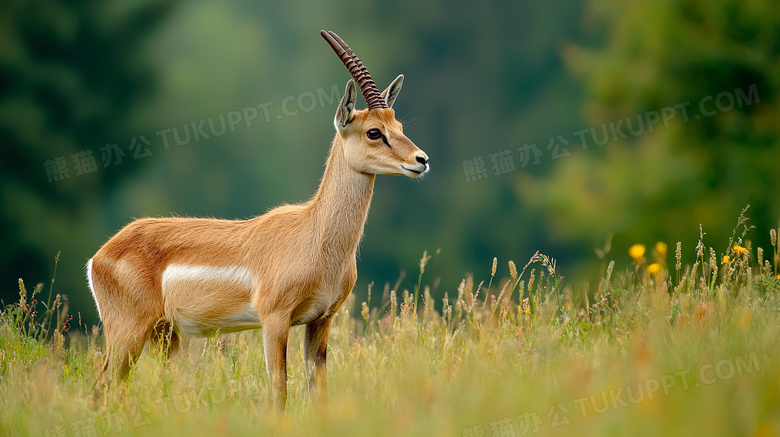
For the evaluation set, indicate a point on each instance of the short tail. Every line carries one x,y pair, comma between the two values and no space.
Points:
92,287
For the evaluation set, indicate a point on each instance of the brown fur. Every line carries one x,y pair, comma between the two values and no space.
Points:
301,259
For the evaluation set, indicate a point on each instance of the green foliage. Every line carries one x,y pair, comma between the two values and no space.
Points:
70,74
718,62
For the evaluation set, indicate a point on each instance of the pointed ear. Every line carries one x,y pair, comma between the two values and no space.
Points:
346,109
392,91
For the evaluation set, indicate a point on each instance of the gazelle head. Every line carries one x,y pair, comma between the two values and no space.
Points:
373,140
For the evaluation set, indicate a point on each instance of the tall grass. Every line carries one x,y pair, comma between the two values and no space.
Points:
653,349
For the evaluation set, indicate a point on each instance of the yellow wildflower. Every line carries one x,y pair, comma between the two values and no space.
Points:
654,268
637,251
660,247
725,259
739,249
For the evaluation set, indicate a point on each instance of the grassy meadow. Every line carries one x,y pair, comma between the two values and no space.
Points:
659,348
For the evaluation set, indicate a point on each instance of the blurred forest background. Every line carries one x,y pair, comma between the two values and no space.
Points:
518,104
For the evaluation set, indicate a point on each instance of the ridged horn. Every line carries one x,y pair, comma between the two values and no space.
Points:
356,69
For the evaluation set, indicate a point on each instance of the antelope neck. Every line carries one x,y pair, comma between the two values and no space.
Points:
340,206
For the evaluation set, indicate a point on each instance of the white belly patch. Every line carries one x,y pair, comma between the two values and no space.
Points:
200,300
236,321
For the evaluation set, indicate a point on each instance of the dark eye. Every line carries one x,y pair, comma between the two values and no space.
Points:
374,134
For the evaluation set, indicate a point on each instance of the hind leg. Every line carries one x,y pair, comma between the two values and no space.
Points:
124,348
129,307
121,352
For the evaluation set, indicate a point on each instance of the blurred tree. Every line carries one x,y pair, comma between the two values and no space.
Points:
70,75
711,71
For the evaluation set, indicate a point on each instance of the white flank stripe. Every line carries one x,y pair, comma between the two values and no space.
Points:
235,275
92,287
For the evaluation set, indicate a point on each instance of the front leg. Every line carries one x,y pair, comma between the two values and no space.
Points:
275,332
316,349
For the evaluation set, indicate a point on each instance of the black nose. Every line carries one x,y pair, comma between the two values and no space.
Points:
422,160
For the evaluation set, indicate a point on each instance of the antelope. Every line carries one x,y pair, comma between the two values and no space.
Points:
164,279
